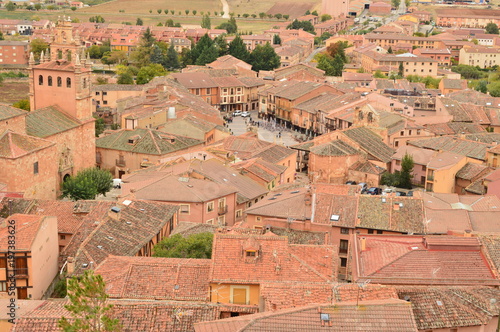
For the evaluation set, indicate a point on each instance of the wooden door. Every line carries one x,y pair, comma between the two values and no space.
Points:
22,293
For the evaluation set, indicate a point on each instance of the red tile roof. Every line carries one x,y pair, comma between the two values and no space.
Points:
276,260
156,278
384,315
413,260
26,228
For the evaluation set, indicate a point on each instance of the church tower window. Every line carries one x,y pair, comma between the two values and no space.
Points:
68,82
40,79
49,80
59,81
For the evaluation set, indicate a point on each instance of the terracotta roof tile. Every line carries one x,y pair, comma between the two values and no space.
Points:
49,121
410,260
7,112
156,278
14,145
26,227
276,260
371,143
383,315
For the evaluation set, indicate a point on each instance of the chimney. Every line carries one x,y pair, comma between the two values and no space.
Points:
468,233
71,266
363,243
114,213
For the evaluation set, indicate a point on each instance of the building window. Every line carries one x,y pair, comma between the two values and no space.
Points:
251,253
84,83
238,213
40,80
210,206
49,80
59,81
210,221
97,93
104,93
3,286
184,208
380,232
344,246
370,231
343,262
35,168
344,231
62,237
209,90
68,82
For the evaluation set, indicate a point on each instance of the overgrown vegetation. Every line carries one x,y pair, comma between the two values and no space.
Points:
193,246
87,184
400,179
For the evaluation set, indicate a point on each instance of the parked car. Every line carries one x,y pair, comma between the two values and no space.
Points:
374,191
400,193
363,187
351,182
410,193
236,113
245,114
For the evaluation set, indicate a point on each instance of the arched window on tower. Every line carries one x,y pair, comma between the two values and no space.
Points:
68,55
59,81
59,54
49,80
84,83
68,82
40,80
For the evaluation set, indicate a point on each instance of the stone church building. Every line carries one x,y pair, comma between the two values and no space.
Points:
56,139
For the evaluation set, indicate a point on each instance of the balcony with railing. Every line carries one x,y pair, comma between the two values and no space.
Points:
222,209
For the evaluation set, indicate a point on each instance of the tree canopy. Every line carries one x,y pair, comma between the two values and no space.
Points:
194,246
238,49
492,28
264,58
147,73
88,306
87,184
306,25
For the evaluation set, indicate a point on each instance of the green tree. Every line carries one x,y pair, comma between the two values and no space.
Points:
99,125
10,6
142,55
276,40
187,11
395,3
194,12
389,50
338,48
286,16
172,11
38,45
1,36
191,56
23,104
139,21
406,174
166,11
230,26
305,25
194,246
147,73
157,55
492,28
325,17
125,78
205,22
238,49
338,65
208,55
379,74
38,6
73,8
494,89
325,62
87,184
264,58
88,306
278,16
315,13
262,15
221,44
390,179
407,3
401,70
172,59
482,86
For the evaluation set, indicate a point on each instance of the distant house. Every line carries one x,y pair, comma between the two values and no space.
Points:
35,257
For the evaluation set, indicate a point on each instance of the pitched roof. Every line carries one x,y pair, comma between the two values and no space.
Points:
333,148
283,204
451,307
383,315
371,143
423,260
342,206
471,171
183,189
275,260
49,121
145,141
124,234
463,147
138,315
14,145
402,214
26,228
156,278
7,112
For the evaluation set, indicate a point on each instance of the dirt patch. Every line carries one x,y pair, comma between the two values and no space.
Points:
292,9
13,91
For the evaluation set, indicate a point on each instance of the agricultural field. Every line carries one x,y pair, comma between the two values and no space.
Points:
13,91
294,8
144,6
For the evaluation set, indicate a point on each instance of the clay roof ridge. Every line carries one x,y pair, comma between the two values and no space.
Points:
302,262
126,281
472,303
393,261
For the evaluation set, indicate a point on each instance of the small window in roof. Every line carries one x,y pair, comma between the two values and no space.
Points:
334,217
